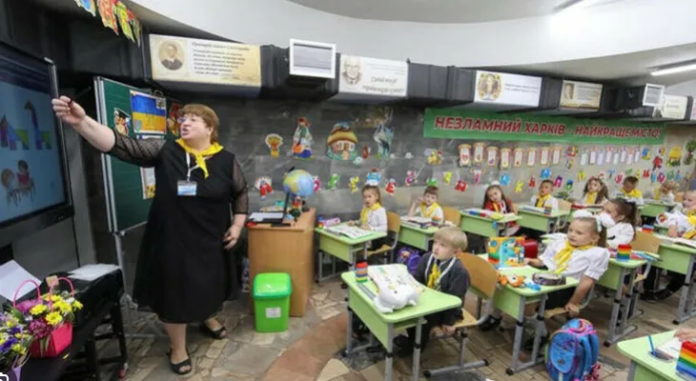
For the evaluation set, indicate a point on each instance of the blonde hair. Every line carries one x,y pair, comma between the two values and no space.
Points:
671,185
207,114
452,236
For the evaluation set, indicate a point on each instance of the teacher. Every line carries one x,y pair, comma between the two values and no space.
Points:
197,214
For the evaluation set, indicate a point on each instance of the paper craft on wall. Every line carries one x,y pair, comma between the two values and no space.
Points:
558,182
410,178
273,142
619,178
383,136
661,177
333,181
556,155
670,175
657,162
690,148
519,186
478,152
505,158
545,174
646,173
675,156
464,155
358,160
602,176
593,156
584,157
518,156
609,155
678,176
623,154
391,187
629,172
492,156
354,184
477,174
447,177
431,182
544,156
653,177
532,182
461,186
570,163
317,184
373,177
572,151
365,151
645,153
531,157
581,175
434,157
617,156
600,156
569,185
505,180
302,139
341,142
263,185
629,156
636,154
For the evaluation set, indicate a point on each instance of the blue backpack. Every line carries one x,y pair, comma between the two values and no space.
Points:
409,257
572,352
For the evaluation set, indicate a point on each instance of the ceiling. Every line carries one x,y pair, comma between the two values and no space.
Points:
435,11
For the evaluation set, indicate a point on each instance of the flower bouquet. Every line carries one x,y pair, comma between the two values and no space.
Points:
48,319
14,346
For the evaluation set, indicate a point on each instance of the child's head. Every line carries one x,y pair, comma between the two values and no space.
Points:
430,195
621,210
594,184
669,186
587,231
546,187
448,242
371,195
689,201
630,183
494,193
22,166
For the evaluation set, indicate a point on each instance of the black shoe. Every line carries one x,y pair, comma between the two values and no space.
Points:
648,296
176,368
490,324
220,334
403,342
663,294
529,344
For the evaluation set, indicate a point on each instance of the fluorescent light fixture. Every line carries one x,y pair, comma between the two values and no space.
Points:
574,5
674,69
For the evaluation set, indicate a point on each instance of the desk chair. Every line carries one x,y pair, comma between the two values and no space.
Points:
566,206
650,244
393,228
451,214
484,278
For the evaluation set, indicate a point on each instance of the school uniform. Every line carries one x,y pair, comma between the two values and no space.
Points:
684,221
591,198
434,212
589,261
620,234
504,206
545,202
658,195
634,195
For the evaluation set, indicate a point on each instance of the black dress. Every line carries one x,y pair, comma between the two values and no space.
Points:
183,272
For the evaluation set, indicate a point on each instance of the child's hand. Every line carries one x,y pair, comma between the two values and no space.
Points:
419,200
365,227
351,223
572,309
534,262
685,334
673,231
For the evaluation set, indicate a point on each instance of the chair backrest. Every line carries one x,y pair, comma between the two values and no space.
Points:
482,274
564,205
645,242
679,197
393,222
451,214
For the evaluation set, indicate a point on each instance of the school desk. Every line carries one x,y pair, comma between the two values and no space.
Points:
532,219
644,366
384,326
342,247
513,300
660,229
680,259
654,208
484,226
413,235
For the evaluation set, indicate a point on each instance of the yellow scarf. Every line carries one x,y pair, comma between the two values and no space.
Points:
365,211
657,194
563,257
496,207
632,194
690,234
427,212
691,217
200,155
590,198
542,200
434,275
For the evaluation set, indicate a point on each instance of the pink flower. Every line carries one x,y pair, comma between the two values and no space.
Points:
39,329
26,305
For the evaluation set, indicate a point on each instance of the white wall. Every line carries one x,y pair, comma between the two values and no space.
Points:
614,28
684,88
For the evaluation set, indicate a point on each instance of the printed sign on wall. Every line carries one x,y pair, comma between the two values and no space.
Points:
581,95
193,60
372,76
510,89
671,107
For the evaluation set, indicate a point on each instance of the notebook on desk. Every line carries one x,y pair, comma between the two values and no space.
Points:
352,232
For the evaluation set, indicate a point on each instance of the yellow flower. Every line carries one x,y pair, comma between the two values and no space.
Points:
62,306
38,309
56,298
3,338
18,348
77,305
54,318
11,323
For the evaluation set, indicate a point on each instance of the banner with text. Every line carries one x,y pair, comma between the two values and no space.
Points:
204,61
371,76
510,89
581,95
459,124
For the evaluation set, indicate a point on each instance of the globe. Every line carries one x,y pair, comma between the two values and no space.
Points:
299,183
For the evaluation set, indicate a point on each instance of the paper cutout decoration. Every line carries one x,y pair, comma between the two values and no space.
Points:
544,157
492,156
600,156
678,176
593,156
408,156
517,157
461,186
317,184
410,178
570,163
602,176
447,177
619,178
106,11
341,142
434,157
173,118
365,152
629,171
354,184
505,180
653,177
121,12
532,182
690,148
545,174
558,182
584,157
572,151
582,175
477,174
609,155
302,139
646,173
636,154
478,152
333,181
617,156
383,136
519,186
629,156
273,142
263,185
670,175
569,185
135,24
373,178
87,5
531,157
675,156
661,177
657,162
391,187
645,153
464,155
556,155
505,154
358,160
431,182
623,154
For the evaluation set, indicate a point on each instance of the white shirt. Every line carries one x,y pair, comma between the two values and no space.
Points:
435,214
637,200
377,220
551,201
592,262
620,234
667,198
680,220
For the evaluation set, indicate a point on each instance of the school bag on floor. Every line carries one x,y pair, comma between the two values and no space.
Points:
409,257
571,354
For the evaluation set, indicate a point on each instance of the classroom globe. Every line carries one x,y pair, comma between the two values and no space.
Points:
299,183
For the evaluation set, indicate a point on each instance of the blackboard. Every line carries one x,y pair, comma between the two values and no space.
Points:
126,207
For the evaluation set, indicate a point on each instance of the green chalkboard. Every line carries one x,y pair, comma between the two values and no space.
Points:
126,206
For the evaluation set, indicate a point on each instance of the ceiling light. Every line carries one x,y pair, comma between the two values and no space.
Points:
674,69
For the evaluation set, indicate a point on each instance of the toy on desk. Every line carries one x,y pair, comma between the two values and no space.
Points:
410,178
396,286
361,272
410,258
623,253
505,252
548,210
648,229
528,283
391,187
296,207
686,363
354,184
263,185
512,280
461,186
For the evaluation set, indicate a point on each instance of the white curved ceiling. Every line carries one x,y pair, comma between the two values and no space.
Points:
435,11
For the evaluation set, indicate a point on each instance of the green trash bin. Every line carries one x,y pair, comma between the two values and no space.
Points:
272,301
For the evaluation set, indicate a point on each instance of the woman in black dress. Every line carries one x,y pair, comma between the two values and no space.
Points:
197,214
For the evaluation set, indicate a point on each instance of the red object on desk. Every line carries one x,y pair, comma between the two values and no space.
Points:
58,341
531,248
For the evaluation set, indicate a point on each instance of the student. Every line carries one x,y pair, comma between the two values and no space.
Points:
372,216
682,220
427,206
582,255
594,193
630,191
665,192
545,198
495,201
440,270
622,219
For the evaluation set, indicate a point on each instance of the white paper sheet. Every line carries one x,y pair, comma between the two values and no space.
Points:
12,275
91,272
260,217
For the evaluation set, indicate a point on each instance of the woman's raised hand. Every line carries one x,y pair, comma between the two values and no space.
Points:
68,111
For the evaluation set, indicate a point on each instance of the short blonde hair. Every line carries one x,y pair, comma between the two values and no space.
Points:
207,114
671,185
452,236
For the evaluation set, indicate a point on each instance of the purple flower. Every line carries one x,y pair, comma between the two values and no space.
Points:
5,347
39,329
26,305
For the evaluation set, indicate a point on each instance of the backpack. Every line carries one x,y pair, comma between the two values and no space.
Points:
409,257
571,354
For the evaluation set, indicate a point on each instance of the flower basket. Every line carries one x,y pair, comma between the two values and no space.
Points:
14,374
54,344
14,342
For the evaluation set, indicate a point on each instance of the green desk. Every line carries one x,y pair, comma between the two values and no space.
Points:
413,235
654,208
660,229
680,259
383,326
341,247
486,227
512,301
645,367
531,219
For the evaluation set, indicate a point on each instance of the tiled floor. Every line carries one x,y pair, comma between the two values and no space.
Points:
311,348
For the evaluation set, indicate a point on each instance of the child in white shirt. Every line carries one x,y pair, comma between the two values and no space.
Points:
683,220
624,217
665,192
427,206
372,216
545,198
594,193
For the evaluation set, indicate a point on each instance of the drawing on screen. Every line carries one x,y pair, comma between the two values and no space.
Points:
19,184
10,136
42,139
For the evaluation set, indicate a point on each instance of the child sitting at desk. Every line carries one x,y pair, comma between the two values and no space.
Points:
440,270
665,192
624,215
495,201
630,191
545,199
427,206
594,193
372,216
682,220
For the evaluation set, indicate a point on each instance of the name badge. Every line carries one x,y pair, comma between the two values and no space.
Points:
186,188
